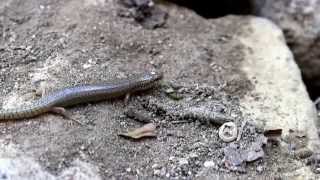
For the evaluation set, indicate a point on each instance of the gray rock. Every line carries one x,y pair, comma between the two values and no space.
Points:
300,22
19,166
276,109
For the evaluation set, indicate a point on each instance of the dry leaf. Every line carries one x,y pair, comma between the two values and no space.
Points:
148,130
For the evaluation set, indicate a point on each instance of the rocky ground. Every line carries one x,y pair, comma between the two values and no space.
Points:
234,68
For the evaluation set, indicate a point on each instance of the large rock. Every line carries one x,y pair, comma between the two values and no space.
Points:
19,165
271,64
300,21
233,68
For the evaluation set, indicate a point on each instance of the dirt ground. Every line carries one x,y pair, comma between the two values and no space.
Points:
55,43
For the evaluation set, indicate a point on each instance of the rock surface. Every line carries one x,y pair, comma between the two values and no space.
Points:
19,165
231,68
276,69
300,21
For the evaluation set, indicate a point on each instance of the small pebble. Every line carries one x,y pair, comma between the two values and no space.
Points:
193,155
183,161
171,158
86,66
157,172
163,171
154,166
259,169
169,90
209,164
138,172
303,153
167,175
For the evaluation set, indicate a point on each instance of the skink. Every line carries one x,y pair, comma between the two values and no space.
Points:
82,94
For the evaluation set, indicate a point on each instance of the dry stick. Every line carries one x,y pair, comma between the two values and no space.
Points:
241,129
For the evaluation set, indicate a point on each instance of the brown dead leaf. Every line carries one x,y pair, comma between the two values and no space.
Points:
148,130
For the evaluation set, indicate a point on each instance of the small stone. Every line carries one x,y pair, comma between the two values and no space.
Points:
183,161
138,172
171,158
163,171
128,169
253,154
259,169
86,66
82,147
303,153
157,172
154,166
209,164
167,175
33,57
193,155
169,90
28,48
198,145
